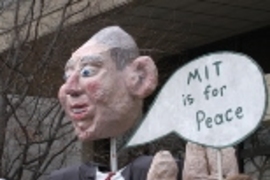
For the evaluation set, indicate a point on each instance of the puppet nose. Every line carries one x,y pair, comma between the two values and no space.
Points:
73,87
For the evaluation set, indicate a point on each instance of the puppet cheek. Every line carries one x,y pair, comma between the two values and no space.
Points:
61,95
95,90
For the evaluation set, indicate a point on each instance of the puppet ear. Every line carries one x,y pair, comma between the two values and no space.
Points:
142,76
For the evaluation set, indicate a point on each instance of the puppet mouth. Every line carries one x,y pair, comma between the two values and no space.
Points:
78,112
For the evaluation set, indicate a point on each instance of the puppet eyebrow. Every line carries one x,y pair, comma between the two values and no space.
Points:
93,59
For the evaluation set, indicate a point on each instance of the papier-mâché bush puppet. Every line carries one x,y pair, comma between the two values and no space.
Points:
106,81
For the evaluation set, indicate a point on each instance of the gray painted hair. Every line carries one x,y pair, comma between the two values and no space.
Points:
122,46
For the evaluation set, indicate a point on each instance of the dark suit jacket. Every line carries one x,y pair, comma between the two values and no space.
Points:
137,170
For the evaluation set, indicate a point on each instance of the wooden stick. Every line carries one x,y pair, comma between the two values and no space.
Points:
113,155
219,166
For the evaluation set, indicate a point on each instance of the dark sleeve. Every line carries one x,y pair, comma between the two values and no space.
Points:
69,173
137,170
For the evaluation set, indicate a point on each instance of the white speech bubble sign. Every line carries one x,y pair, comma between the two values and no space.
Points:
216,100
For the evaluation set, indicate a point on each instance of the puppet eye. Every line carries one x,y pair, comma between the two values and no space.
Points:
65,76
87,72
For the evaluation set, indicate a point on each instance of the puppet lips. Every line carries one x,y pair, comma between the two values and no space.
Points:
78,112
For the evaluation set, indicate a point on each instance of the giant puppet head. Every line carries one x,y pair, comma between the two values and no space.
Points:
106,81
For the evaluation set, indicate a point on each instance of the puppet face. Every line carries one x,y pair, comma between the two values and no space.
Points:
95,95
